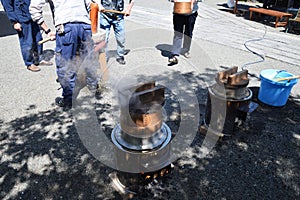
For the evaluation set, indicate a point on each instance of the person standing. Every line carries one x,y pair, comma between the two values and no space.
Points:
28,32
73,41
109,19
183,25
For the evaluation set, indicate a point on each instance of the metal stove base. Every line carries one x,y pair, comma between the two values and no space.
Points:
133,161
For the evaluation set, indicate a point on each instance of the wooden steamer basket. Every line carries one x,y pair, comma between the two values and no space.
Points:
182,7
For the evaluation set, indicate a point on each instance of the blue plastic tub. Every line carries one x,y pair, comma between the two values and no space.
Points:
272,92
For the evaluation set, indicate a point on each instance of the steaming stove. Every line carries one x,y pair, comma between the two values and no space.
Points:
231,92
141,138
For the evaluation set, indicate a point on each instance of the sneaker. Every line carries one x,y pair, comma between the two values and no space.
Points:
63,103
173,61
96,90
121,61
33,68
187,54
45,62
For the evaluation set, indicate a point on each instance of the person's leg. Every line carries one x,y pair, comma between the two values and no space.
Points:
37,49
26,44
25,39
90,71
119,31
90,59
105,23
178,24
188,32
66,45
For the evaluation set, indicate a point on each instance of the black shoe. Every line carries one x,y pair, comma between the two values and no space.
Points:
96,90
187,55
121,61
63,103
173,61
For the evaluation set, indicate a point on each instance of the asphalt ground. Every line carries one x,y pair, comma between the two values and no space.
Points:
42,152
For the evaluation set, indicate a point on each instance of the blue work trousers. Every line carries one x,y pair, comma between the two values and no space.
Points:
117,23
29,37
72,47
183,31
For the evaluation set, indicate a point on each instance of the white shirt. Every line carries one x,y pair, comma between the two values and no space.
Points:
65,11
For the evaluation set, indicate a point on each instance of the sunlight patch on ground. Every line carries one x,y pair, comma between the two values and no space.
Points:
39,164
18,187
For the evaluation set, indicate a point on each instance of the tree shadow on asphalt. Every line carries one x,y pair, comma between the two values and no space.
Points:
259,160
48,54
43,157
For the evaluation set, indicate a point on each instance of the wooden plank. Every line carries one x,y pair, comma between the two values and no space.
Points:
274,13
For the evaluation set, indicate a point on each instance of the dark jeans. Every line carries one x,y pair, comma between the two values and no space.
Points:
183,30
72,47
29,38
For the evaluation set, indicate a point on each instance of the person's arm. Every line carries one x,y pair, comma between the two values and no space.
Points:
129,7
8,6
9,9
36,11
193,4
47,30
